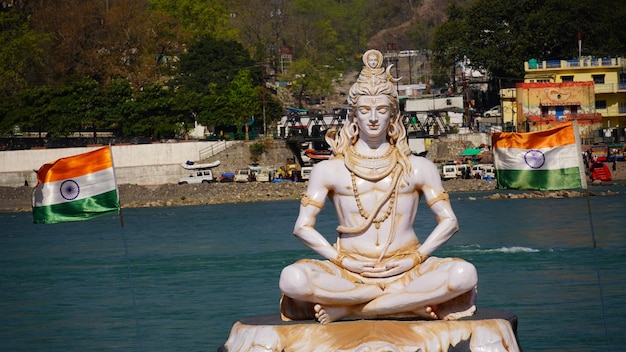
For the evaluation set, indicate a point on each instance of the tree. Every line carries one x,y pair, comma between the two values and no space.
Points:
22,52
213,61
307,78
243,100
494,36
201,17
149,114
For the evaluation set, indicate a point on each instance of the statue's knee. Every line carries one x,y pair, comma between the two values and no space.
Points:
463,277
293,280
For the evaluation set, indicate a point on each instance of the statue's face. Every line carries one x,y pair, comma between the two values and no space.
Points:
372,61
373,115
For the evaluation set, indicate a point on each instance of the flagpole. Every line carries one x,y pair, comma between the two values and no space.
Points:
130,273
595,255
593,233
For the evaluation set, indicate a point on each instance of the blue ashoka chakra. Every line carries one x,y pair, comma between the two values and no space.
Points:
69,189
534,158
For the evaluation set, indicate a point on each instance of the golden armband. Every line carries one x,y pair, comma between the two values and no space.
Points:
442,196
306,200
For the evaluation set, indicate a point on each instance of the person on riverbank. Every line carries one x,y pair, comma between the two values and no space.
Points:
377,268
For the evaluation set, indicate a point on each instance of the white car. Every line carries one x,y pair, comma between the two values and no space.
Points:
448,172
200,176
493,112
243,175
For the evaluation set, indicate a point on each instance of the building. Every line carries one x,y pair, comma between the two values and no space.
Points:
589,90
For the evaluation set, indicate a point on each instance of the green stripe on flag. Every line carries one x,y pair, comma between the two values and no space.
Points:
568,178
78,210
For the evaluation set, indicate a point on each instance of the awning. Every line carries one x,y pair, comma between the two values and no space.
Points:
471,152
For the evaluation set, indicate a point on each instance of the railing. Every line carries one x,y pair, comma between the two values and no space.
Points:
604,88
553,119
583,62
215,148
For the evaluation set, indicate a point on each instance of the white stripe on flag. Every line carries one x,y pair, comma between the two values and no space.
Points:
76,188
537,159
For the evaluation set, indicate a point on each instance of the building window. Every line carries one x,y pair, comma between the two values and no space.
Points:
598,79
600,104
567,78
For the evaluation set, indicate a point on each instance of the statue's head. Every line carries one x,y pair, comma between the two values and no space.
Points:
375,84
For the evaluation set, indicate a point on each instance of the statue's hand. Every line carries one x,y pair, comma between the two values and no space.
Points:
391,267
364,268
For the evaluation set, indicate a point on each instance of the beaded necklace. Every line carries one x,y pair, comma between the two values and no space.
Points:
364,214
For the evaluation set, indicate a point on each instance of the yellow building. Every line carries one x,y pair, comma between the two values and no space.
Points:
557,81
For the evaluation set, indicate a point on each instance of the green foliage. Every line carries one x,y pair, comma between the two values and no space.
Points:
150,114
243,99
307,77
152,67
22,52
494,36
202,17
257,149
213,62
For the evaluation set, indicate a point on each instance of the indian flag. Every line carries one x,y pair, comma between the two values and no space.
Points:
545,160
75,188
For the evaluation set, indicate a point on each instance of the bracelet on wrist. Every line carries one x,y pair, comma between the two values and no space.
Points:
337,261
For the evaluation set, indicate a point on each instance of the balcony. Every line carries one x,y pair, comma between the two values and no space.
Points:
553,120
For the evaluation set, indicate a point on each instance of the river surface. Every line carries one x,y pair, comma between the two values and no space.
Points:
195,270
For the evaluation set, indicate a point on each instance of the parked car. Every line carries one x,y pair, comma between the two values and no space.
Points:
306,172
448,171
463,170
244,175
200,176
266,174
493,112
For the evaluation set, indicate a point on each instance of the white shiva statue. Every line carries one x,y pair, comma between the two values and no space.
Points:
377,268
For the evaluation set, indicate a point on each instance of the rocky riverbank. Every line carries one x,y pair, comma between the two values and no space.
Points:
15,199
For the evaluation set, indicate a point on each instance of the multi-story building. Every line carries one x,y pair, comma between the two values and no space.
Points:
590,90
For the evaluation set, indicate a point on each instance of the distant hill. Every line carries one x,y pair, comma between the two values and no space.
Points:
428,13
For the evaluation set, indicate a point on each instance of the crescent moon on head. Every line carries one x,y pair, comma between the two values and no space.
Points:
391,78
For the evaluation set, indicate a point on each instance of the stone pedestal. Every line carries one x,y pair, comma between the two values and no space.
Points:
488,330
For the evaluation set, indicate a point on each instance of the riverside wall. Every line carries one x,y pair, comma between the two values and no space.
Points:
160,163
142,164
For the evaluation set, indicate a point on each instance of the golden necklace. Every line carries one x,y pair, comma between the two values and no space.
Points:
371,168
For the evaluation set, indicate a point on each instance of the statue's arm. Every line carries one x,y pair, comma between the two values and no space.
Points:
436,198
310,207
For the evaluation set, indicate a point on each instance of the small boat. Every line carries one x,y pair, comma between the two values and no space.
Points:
318,154
190,165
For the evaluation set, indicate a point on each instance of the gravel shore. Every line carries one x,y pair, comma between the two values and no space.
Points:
134,196
16,199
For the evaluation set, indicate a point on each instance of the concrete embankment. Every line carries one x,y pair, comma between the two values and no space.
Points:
143,164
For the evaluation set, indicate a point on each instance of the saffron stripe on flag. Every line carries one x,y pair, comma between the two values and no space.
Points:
77,188
554,137
78,210
77,165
